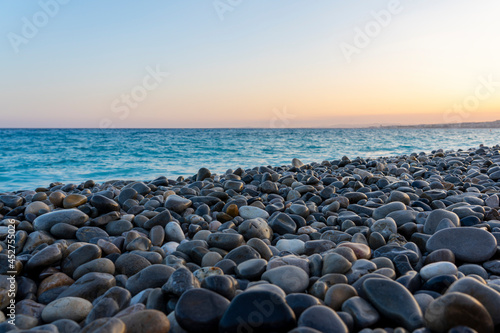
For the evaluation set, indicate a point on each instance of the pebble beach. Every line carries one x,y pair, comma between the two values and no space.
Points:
391,244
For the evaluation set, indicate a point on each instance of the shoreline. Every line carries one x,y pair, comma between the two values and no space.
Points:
405,241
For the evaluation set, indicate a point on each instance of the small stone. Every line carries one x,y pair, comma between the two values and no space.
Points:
105,325
251,212
74,200
104,204
146,321
301,302
73,308
385,227
335,263
130,264
438,268
436,216
338,294
225,241
363,313
35,208
251,269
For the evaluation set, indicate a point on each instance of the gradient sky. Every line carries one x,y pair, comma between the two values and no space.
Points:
254,63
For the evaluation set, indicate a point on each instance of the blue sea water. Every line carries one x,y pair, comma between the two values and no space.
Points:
30,158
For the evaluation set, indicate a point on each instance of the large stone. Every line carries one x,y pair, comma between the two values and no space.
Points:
488,297
258,310
255,228
386,209
467,243
323,319
68,216
438,268
74,200
251,212
394,302
90,286
177,204
73,308
291,279
153,276
457,309
200,310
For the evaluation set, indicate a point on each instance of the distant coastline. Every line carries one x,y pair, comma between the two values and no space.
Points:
486,124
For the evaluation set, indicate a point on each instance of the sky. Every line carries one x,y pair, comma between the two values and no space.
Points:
248,63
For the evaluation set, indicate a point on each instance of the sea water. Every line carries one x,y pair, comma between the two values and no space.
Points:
30,158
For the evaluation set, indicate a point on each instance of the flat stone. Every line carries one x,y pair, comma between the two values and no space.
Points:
68,216
457,309
200,310
104,204
100,265
394,302
251,212
467,243
438,268
251,269
74,200
386,209
90,286
85,234
291,245
153,276
130,264
73,308
225,241
289,278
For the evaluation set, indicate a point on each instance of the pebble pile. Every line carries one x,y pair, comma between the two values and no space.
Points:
393,244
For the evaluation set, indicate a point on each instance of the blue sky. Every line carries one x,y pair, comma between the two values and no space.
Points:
78,67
